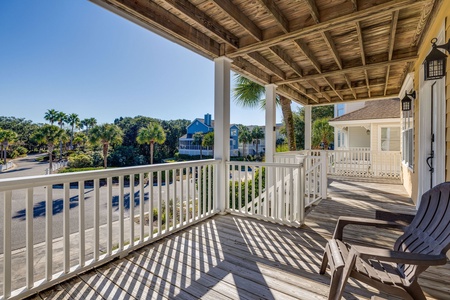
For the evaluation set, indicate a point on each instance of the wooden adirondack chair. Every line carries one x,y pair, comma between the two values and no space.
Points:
424,243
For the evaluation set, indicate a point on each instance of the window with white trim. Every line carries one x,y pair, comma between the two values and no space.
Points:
408,137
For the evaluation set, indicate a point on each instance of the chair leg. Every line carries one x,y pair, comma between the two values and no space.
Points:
336,275
323,266
415,291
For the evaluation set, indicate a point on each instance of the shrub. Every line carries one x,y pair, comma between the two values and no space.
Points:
80,161
21,150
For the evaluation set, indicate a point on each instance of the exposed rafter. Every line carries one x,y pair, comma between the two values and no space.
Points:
304,49
346,20
264,63
203,20
333,88
351,69
279,17
391,46
239,17
287,60
363,54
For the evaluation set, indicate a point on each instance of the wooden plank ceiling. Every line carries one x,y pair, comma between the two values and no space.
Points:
316,51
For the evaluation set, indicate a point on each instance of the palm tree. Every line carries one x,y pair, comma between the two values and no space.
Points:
257,135
208,140
244,137
197,139
61,118
73,121
6,138
48,134
51,115
80,139
88,123
153,133
106,135
322,132
250,94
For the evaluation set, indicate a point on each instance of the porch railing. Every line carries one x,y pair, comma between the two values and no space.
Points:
278,192
355,162
74,222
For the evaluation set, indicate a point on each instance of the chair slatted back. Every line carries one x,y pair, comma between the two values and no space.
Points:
429,232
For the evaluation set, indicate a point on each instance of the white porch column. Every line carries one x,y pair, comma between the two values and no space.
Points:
222,66
307,127
270,137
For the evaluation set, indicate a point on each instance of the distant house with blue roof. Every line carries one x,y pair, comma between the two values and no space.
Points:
205,125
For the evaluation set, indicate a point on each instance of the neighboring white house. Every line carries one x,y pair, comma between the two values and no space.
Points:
250,149
370,125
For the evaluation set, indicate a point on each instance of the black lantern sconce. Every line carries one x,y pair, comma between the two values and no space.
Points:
435,61
407,100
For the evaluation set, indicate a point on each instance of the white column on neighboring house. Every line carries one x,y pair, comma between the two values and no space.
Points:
307,127
222,67
270,136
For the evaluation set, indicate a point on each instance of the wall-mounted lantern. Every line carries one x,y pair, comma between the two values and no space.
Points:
435,62
407,100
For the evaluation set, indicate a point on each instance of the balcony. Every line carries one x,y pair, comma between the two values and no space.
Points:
100,241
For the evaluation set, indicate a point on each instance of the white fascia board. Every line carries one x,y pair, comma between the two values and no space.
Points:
363,122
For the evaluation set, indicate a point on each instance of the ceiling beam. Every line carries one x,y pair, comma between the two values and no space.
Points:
313,10
371,12
280,18
329,41
351,69
281,54
363,53
206,22
242,66
316,87
355,5
349,84
304,49
239,17
298,87
333,88
393,30
152,15
269,66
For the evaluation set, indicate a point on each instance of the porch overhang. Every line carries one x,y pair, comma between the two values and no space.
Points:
316,52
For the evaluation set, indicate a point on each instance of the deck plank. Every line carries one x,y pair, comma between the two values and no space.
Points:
232,257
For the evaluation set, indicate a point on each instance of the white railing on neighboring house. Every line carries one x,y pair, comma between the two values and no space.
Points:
92,217
6,166
355,162
277,192
56,166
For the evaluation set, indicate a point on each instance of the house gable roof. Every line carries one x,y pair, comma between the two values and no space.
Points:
381,109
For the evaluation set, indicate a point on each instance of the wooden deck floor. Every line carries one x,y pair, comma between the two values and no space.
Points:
242,258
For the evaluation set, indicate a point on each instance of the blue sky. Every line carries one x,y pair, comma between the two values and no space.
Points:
76,57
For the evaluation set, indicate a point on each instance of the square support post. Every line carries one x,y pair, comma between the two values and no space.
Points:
270,137
307,127
222,67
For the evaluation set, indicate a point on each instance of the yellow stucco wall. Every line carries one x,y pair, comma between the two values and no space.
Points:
442,18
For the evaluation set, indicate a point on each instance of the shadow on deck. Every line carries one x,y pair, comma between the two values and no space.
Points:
242,258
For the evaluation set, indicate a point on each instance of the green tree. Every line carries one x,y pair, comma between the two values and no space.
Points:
73,120
106,135
51,115
244,137
208,140
50,135
153,133
250,94
88,123
80,139
61,118
257,135
322,132
23,128
6,138
197,139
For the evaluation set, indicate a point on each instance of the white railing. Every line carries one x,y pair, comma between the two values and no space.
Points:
56,166
277,192
6,166
365,164
85,219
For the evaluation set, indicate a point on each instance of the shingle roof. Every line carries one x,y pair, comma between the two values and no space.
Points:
379,109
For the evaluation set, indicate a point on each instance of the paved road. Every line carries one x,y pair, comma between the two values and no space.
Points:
29,167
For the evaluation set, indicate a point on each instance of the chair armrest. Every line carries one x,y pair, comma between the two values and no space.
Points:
344,221
399,256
